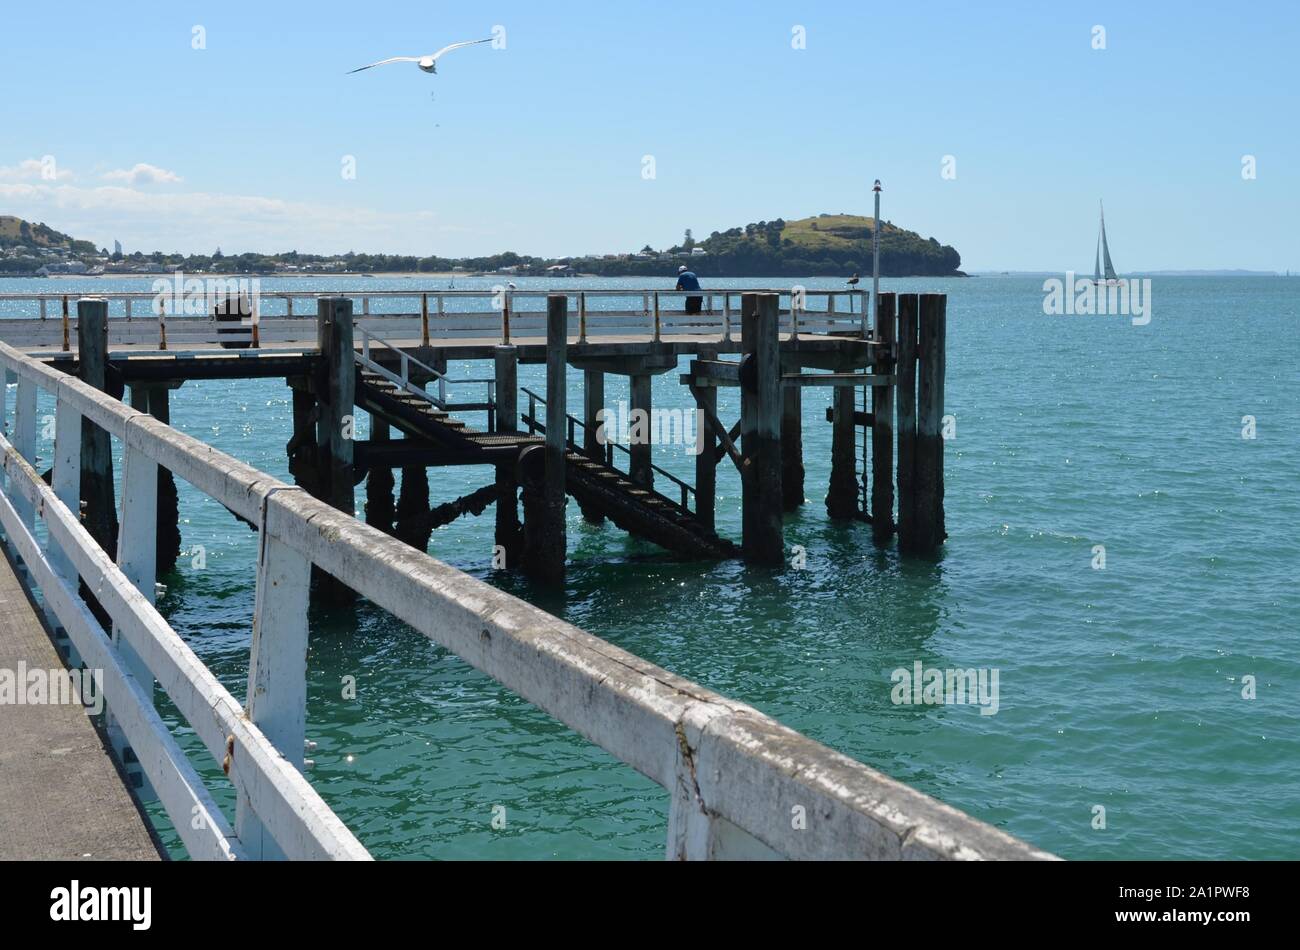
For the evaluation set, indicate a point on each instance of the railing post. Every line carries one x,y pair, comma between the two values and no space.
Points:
424,318
25,441
726,318
66,477
505,320
137,558
582,318
277,669
656,317
67,337
41,303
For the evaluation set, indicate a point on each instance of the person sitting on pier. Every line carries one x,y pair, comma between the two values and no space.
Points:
686,280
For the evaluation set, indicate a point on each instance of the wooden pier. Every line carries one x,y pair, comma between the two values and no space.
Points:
732,773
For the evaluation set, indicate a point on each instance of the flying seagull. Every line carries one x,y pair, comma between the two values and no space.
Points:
428,63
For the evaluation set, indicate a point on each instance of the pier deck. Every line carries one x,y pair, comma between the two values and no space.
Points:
60,794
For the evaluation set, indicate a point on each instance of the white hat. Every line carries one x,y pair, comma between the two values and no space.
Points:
682,269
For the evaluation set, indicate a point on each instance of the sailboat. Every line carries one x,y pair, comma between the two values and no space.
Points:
1108,278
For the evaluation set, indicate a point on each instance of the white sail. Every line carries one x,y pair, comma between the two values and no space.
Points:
1105,249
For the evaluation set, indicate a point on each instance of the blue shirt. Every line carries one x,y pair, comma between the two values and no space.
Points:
687,281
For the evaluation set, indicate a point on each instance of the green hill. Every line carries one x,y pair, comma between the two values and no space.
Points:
828,244
16,231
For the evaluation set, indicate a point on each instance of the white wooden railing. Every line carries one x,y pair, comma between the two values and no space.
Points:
48,321
741,784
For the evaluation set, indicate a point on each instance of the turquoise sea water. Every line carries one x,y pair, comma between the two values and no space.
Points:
1119,687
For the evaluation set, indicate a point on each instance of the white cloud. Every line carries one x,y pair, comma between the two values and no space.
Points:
143,174
45,168
196,222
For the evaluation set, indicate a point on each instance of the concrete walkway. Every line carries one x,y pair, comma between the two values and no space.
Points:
61,797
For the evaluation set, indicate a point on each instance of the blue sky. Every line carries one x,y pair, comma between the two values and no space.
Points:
539,147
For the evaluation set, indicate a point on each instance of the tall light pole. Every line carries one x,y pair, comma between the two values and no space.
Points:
875,263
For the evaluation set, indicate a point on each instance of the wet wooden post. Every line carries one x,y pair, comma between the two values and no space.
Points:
639,469
906,389
593,401
301,448
153,399
706,441
842,498
334,429
544,503
882,432
792,473
931,360
509,534
760,396
380,509
100,516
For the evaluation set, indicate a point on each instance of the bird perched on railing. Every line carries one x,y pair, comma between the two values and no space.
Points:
853,281
427,63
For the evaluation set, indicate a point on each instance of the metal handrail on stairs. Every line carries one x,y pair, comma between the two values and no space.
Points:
537,427
402,379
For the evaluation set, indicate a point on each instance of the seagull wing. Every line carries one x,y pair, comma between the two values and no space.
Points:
384,62
448,49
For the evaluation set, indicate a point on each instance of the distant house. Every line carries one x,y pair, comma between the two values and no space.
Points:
698,252
66,267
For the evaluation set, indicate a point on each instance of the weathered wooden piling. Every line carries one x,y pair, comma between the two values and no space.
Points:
882,431
509,532
97,495
842,498
931,365
153,399
544,498
706,449
380,510
593,402
792,473
641,412
760,388
301,447
412,526
906,387
336,394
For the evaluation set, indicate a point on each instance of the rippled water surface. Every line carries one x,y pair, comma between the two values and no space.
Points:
1119,687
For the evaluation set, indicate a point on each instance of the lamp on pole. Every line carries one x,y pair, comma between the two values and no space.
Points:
875,265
